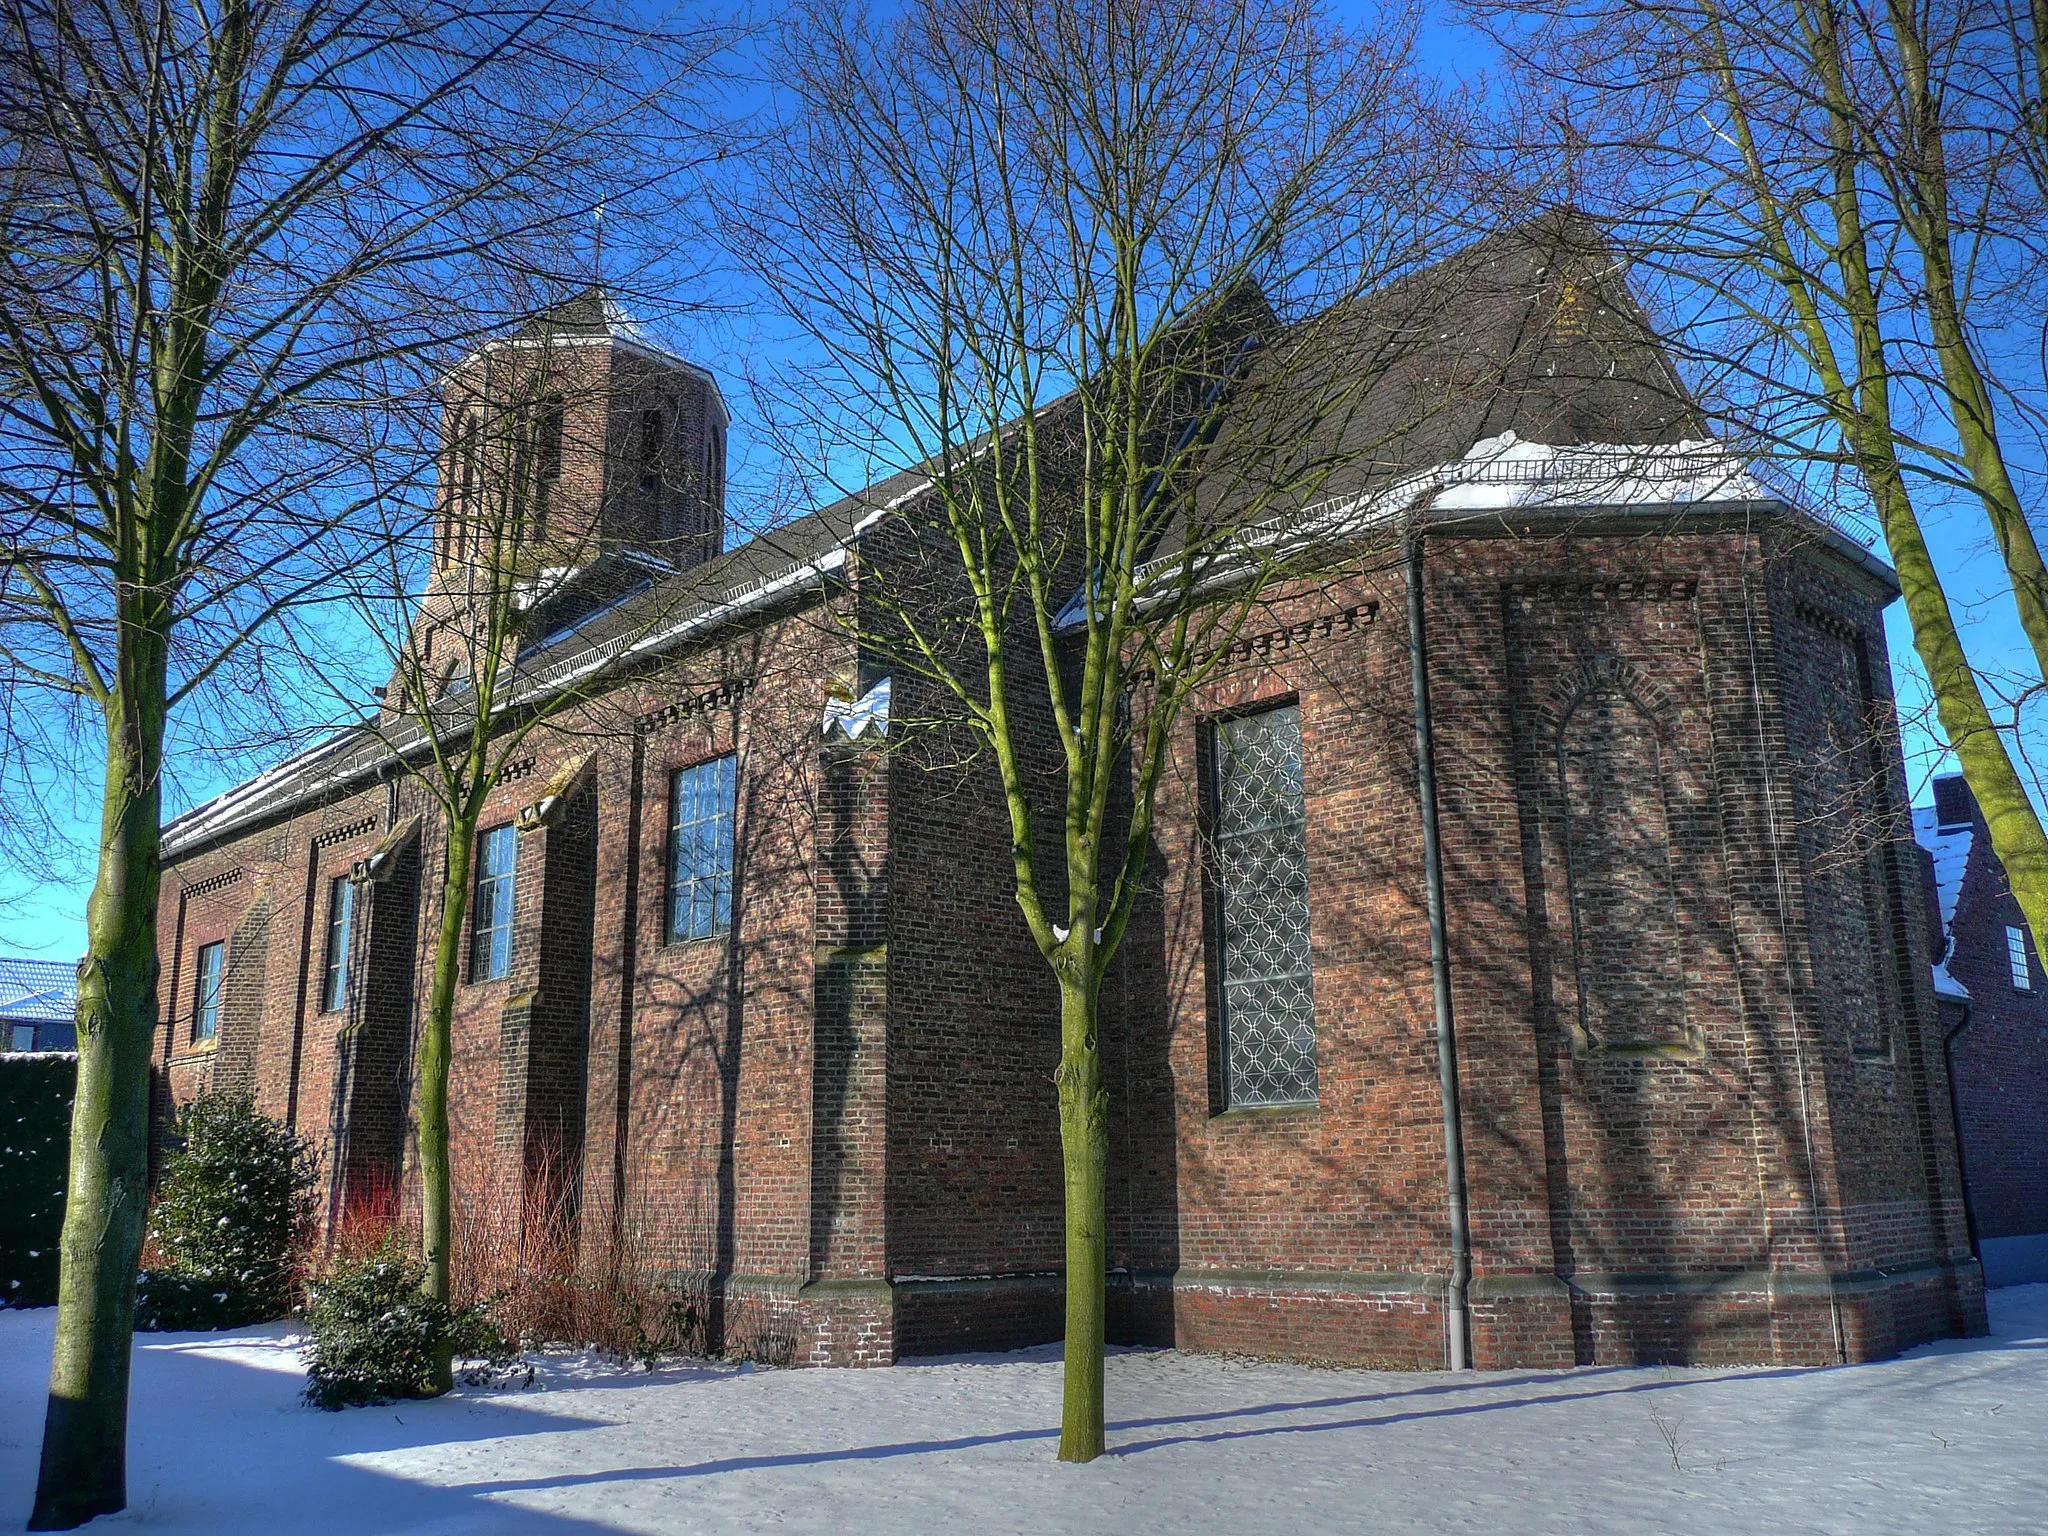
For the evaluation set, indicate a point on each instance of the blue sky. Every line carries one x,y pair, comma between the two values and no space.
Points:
42,899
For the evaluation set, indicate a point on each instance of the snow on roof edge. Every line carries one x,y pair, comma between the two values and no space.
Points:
248,801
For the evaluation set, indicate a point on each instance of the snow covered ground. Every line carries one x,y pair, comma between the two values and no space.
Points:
1949,1439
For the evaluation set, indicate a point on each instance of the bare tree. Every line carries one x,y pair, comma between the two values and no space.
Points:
1843,204
522,549
1083,264
227,234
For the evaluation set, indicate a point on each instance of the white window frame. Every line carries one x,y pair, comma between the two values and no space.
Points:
206,990
341,919
490,956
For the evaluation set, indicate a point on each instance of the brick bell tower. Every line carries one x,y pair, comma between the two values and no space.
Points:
579,459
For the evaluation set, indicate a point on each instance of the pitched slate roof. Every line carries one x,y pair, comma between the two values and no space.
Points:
1531,331
38,991
1529,336
643,626
1948,847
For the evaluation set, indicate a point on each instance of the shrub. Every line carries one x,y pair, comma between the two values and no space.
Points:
376,1337
230,1214
515,1244
168,1302
35,1152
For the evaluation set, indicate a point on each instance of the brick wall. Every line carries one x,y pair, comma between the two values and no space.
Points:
1702,1104
2001,1064
1655,1095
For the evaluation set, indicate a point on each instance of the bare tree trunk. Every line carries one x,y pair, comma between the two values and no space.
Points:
1084,1140
436,1214
2009,815
85,1428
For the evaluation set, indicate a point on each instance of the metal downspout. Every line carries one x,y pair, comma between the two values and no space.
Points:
1456,1315
1955,1110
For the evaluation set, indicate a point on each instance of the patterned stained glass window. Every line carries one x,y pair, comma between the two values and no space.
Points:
700,850
206,994
497,858
2016,956
1259,841
340,917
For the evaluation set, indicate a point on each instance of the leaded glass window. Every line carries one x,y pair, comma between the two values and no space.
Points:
340,917
700,850
2016,957
1259,879
206,994
497,859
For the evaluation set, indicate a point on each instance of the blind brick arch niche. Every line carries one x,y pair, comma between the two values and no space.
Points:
1638,1010
1608,822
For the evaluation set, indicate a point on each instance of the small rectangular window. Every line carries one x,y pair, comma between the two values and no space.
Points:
2016,954
206,994
497,858
340,913
700,850
1258,825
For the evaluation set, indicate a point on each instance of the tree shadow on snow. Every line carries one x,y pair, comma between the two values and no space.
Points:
783,1460
221,1443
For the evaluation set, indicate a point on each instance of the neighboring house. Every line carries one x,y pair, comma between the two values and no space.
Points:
38,1001
755,979
1994,1005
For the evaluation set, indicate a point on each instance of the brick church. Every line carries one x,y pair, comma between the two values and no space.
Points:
748,968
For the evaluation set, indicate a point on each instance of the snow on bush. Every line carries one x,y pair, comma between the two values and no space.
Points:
376,1336
35,1152
233,1207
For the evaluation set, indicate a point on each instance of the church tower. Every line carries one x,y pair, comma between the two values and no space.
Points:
580,460
605,443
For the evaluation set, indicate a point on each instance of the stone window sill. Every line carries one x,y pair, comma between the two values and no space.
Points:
1267,1112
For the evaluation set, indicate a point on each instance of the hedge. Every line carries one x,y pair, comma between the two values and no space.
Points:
35,1162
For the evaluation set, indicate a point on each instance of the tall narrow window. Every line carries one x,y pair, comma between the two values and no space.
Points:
462,513
340,913
700,850
206,994
497,857
2016,956
547,461
653,432
650,447
1259,880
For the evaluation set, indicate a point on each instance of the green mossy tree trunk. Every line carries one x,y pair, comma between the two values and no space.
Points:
1084,1145
437,1224
85,1429
1840,286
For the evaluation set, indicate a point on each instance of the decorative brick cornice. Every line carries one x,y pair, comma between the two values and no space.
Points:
730,692
347,830
1660,589
212,883
1274,641
1828,623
